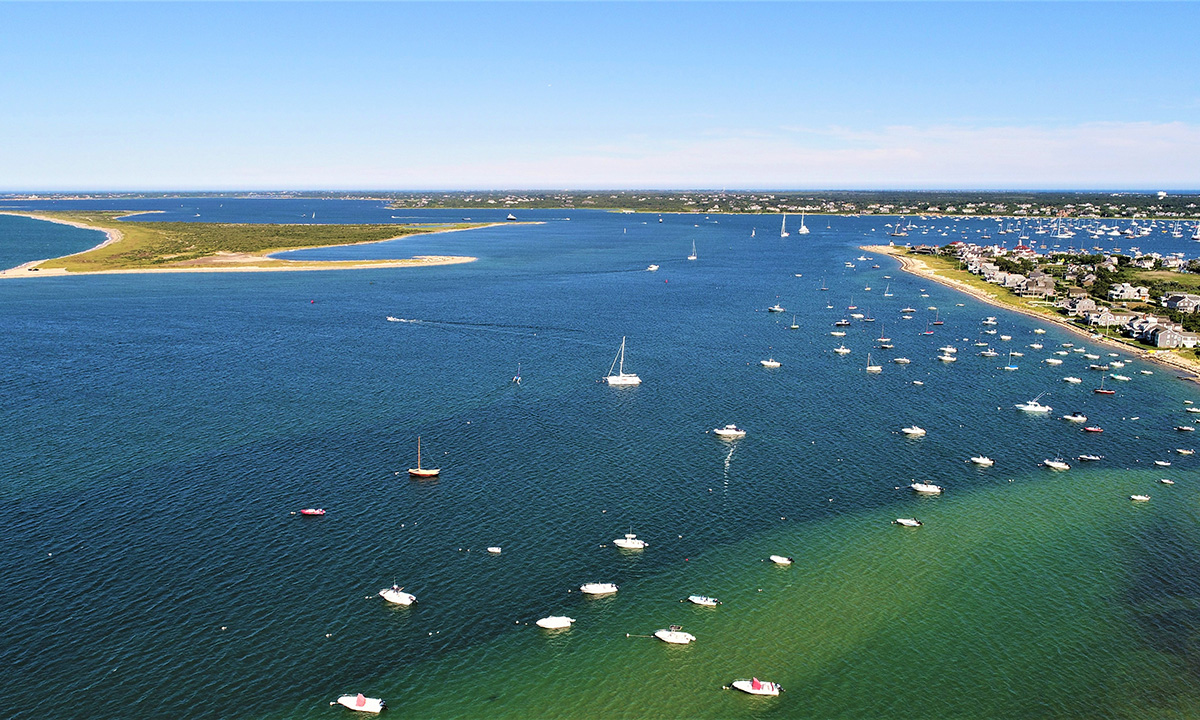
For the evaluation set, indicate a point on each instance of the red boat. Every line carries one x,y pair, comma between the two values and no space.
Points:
1093,428
1102,391
313,511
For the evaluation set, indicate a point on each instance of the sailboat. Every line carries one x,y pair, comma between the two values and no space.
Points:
823,286
693,255
803,228
419,471
1010,365
793,326
752,231
873,368
898,229
887,291
622,377
783,228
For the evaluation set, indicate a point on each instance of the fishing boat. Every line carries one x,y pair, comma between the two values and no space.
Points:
781,560
693,255
598,588
630,542
1166,481
1075,417
907,522
675,635
754,686
729,432
1139,498
704,600
419,471
621,377
313,512
555,622
651,268
1033,406
769,363
1056,464
913,431
396,595
926,488
842,350
983,460
360,702
777,308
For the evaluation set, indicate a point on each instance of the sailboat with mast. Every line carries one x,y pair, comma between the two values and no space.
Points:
420,472
621,377
803,228
783,228
693,255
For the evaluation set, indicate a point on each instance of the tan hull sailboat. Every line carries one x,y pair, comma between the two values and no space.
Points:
419,471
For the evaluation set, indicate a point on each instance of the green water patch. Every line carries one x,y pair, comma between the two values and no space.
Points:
1014,601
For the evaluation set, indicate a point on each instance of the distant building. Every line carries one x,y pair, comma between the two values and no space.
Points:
1183,302
1125,291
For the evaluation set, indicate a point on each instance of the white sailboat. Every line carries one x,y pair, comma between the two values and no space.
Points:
803,228
783,228
419,471
621,377
693,255
873,368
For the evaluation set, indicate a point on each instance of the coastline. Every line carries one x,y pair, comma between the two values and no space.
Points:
915,266
226,262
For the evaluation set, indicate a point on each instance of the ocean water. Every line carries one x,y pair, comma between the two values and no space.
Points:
159,432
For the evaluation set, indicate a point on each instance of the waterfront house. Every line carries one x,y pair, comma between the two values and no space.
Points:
1183,302
1125,291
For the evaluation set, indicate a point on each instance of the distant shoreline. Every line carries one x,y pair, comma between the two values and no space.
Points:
226,262
913,265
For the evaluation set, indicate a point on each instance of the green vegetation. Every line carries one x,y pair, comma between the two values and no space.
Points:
951,268
175,244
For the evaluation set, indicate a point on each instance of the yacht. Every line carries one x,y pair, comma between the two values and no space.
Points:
782,560
1033,406
675,635
396,595
730,432
926,488
630,542
913,431
555,622
907,522
621,377
1056,464
598,588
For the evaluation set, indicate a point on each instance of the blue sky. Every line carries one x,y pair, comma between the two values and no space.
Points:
599,95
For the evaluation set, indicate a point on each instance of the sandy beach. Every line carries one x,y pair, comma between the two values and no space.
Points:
1186,369
226,261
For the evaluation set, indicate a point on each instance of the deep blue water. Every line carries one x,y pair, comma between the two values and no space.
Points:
158,432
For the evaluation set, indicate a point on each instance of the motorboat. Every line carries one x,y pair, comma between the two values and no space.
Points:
555,622
842,323
989,353
754,686
913,431
907,522
420,472
1192,409
781,560
990,321
704,600
675,635
1116,364
1146,372
1185,428
926,488
769,363
1166,481
1072,380
901,361
983,460
1039,331
1053,361
630,542
651,268
598,588
1075,417
313,512
1093,429
917,382
621,377
837,333
907,310
1033,406
1056,464
1119,378
729,432
777,308
842,350
1139,498
494,549
1181,451
947,358
948,349
1036,346
361,703
1100,368
396,596
1090,458
1162,463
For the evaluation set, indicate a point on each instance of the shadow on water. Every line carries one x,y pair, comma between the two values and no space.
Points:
1164,595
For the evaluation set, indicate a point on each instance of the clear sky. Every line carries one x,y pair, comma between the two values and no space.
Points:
145,96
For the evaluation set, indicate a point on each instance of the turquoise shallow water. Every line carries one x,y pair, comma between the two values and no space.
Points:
159,432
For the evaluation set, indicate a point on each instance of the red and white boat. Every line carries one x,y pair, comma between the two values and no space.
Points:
754,686
312,511
1093,428
361,703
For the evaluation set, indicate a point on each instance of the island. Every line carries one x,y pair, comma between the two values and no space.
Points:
150,247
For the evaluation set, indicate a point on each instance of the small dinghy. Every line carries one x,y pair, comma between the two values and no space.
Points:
1093,429
907,522
704,600
598,588
675,635
781,560
754,686
396,595
313,512
362,703
630,542
555,622
1139,498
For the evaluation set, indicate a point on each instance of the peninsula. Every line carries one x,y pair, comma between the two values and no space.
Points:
153,247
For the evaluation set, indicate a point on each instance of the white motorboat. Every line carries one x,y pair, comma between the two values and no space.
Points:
907,522
1146,372
901,361
598,588
1039,331
1090,458
396,595
1185,428
1116,364
926,488
1139,498
1075,417
837,333
1181,451
729,432
494,549
1166,481
777,308
1036,346
989,353
913,431
1120,378
651,268
947,358
1006,337
842,350
1033,406
555,622
1162,463
1192,409
630,542
704,600
1072,380
781,560
675,635
948,349
754,686
769,363
362,703
1056,464
621,377
983,460
1053,361
990,321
